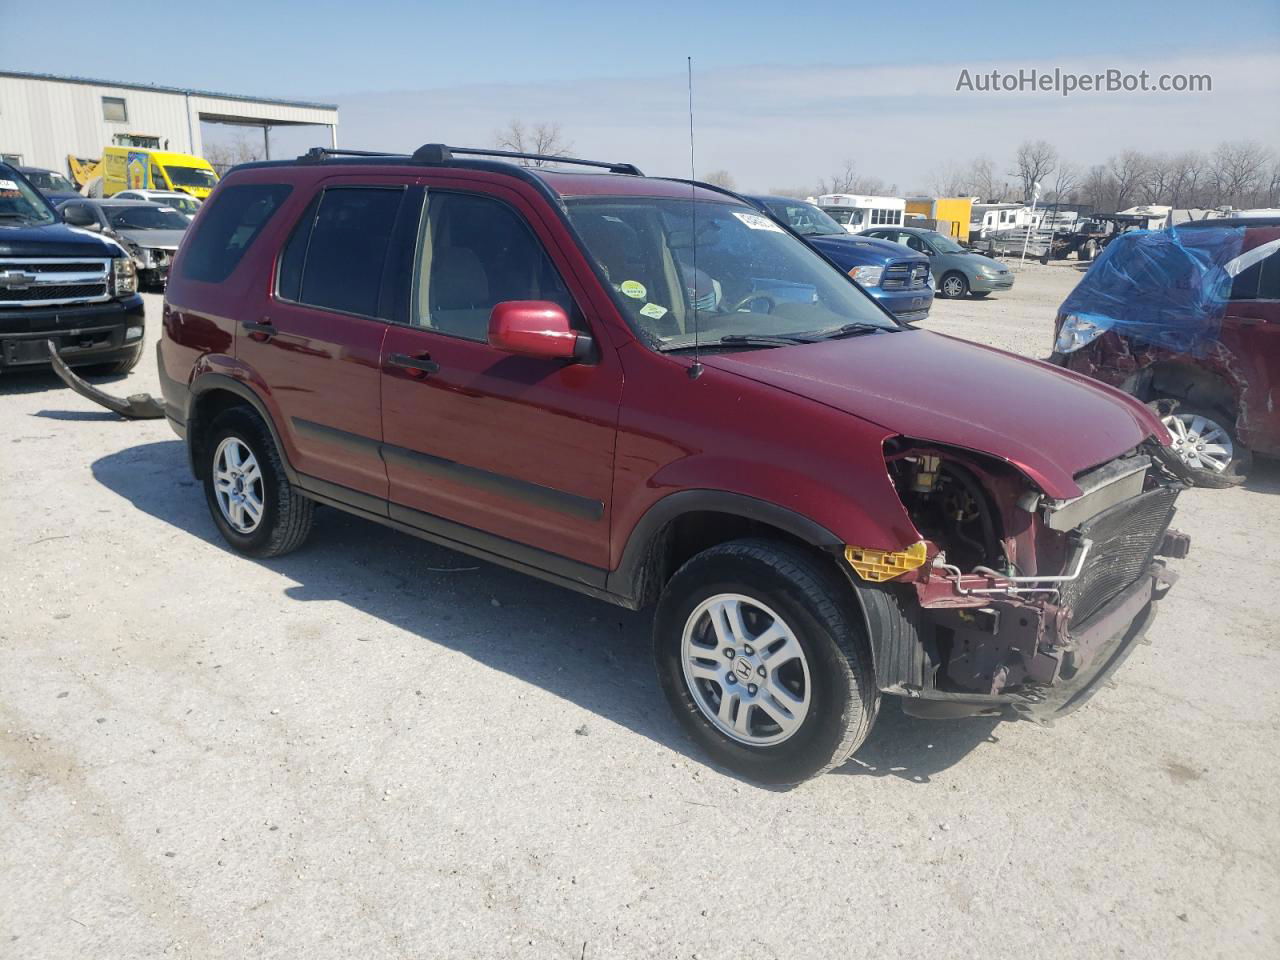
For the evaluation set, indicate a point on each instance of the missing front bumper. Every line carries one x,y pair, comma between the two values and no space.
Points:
1082,659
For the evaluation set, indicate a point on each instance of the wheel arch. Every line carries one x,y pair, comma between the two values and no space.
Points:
689,521
1193,383
213,393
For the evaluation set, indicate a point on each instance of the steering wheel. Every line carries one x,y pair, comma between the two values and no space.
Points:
768,298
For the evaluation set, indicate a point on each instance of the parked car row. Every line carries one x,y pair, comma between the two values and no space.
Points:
151,232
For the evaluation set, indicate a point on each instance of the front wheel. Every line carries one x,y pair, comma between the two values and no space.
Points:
1203,440
953,286
765,661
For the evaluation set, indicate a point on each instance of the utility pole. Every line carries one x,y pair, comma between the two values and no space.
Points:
1035,195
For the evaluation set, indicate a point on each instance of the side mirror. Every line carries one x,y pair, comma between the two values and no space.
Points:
536,328
80,217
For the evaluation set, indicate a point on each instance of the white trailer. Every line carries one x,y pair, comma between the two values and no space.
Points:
857,212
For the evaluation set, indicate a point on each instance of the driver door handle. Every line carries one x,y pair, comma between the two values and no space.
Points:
424,364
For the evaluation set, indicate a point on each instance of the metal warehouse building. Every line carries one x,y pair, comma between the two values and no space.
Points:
45,118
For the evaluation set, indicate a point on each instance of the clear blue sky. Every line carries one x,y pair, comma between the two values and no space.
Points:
786,92
319,49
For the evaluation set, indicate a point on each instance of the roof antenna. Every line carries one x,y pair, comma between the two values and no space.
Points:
695,371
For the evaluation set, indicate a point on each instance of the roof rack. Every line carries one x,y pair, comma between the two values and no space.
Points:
440,153
319,153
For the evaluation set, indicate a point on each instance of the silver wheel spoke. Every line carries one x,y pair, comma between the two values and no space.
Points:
738,685
238,485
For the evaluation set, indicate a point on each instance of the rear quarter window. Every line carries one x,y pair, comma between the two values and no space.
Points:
235,217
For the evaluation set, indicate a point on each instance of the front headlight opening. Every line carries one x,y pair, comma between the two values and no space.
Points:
1077,332
124,276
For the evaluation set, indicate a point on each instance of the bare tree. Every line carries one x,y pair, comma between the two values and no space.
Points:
1065,179
1128,170
1035,160
721,178
948,181
1186,180
840,182
1157,179
239,149
544,139
1238,171
982,182
1098,188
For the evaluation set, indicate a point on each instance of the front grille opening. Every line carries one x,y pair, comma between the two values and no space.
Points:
1125,539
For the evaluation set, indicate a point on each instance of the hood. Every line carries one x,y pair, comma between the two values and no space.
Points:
1049,423
53,240
977,259
851,250
168,239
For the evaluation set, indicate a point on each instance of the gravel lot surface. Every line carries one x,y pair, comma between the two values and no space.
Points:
377,748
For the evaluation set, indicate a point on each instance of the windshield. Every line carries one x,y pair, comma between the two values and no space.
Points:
182,203
48,180
191,177
21,203
943,244
840,214
752,277
804,218
146,218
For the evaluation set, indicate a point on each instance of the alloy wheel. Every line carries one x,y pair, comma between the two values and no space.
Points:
1199,441
238,485
745,670
953,286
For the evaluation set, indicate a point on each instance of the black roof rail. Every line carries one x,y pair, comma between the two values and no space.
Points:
439,153
319,153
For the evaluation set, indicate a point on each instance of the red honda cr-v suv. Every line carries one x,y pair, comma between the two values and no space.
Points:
645,390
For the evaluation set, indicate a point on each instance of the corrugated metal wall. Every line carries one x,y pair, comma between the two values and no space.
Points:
43,120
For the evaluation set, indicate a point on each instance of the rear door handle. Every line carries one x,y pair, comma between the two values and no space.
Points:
266,329
424,364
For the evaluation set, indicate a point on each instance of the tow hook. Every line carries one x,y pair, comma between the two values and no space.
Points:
139,406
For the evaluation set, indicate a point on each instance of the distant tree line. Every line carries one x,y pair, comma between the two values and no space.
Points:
1239,173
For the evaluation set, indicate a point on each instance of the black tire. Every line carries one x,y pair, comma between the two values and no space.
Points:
979,294
1237,468
819,606
958,281
286,513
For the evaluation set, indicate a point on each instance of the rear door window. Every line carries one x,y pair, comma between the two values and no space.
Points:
236,216
335,258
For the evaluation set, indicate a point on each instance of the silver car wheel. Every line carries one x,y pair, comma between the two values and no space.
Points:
745,670
237,485
1200,442
952,286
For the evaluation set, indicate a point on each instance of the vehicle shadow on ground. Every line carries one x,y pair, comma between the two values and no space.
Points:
44,380
1264,477
582,650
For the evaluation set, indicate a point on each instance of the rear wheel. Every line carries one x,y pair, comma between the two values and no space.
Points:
254,506
1204,440
953,285
765,661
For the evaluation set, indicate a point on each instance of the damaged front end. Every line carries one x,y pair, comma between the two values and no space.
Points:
1021,602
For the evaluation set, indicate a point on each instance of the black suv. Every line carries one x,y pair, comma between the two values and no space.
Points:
59,283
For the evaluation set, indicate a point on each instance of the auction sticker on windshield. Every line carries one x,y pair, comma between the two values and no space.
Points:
633,289
653,311
757,222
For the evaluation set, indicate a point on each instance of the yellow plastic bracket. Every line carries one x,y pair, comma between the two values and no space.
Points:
877,565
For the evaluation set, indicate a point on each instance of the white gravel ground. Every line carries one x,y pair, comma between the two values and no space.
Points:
377,748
